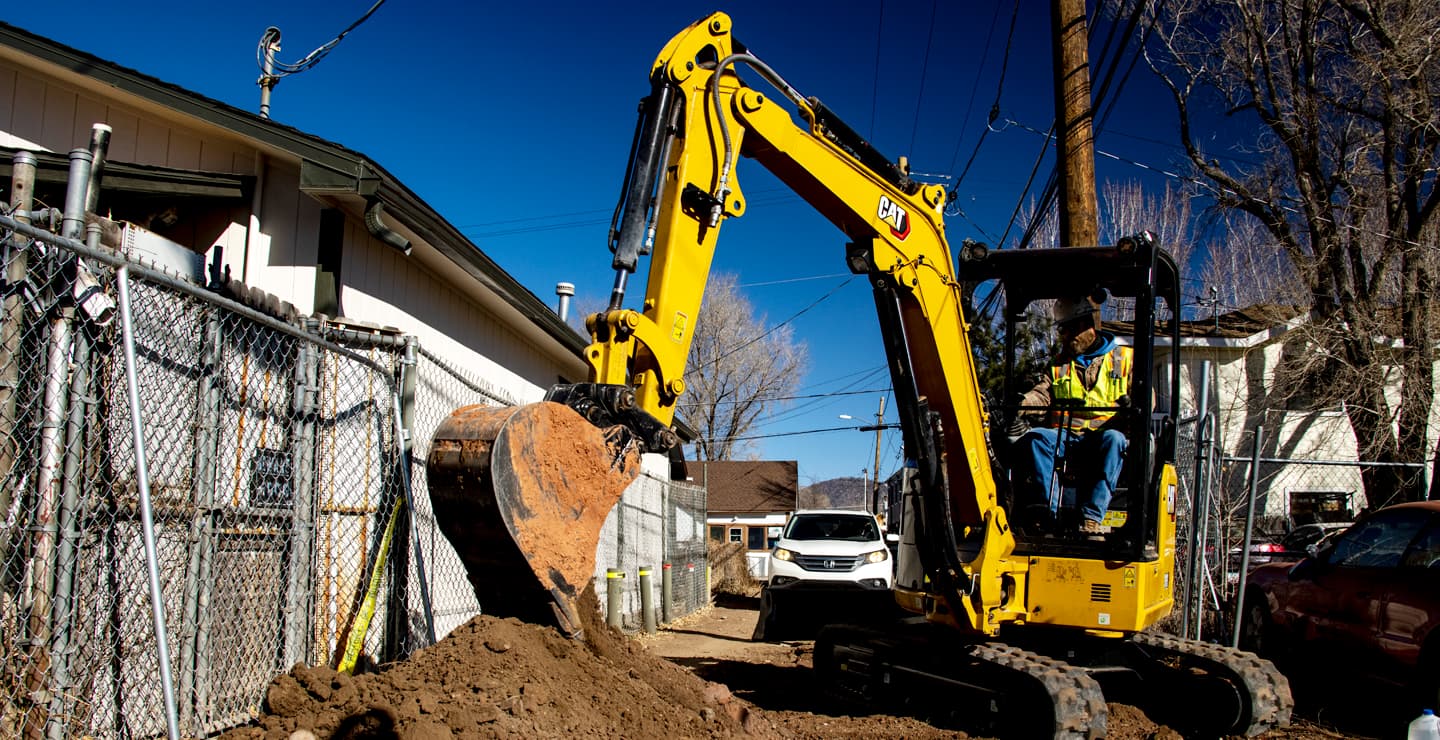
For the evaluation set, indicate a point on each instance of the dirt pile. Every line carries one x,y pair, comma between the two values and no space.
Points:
505,678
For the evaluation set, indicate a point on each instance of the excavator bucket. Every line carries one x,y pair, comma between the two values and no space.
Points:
522,493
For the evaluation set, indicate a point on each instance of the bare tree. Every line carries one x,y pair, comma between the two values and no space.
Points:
738,368
1342,96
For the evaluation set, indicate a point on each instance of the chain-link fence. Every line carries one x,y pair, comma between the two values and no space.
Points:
658,522
289,517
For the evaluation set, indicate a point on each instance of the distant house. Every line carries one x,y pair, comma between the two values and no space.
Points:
1245,349
749,502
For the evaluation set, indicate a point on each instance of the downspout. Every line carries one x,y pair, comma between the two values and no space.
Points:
377,228
252,231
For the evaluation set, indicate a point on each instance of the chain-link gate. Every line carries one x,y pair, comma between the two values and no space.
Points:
279,515
273,469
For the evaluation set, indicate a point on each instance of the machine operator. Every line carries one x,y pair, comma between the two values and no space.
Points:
1087,382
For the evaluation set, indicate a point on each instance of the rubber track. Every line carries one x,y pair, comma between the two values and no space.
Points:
1268,689
1080,709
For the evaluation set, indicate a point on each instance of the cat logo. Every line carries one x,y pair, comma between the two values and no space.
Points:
894,215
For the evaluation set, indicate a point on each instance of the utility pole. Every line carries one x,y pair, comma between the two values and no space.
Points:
879,430
1075,137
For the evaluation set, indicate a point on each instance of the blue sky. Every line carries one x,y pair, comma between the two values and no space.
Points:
514,121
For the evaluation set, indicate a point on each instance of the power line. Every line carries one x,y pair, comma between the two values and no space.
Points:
995,106
924,72
271,38
1223,192
789,398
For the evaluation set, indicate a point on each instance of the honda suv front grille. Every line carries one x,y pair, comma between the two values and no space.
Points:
828,563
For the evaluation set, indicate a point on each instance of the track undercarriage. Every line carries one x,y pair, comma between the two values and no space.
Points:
1051,686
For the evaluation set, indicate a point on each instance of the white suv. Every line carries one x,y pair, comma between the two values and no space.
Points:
831,549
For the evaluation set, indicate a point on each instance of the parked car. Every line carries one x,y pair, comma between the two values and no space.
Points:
829,565
1289,547
830,549
1368,600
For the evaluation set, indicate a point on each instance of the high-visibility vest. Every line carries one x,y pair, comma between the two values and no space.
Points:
1067,384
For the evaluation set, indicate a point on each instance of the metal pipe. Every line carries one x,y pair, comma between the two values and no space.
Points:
298,606
613,577
16,256
99,150
666,592
77,187
195,648
1249,527
402,435
647,600
142,480
52,442
1202,405
565,291
63,614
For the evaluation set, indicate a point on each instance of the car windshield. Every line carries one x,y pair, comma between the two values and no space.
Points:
846,527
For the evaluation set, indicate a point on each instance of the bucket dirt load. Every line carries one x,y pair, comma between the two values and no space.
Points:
522,492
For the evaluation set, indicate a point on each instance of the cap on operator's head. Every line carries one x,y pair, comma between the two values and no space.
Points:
1078,309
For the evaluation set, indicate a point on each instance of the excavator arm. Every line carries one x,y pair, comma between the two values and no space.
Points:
698,121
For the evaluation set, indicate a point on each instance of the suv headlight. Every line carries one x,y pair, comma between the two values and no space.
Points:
879,556
783,554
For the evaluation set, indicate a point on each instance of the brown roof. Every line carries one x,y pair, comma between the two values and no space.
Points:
1237,324
747,486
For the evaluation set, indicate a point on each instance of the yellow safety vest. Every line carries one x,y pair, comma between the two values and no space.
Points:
1067,384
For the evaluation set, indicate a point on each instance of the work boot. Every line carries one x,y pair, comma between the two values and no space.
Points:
1092,528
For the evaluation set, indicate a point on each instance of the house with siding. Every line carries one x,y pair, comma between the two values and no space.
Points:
748,501
1243,350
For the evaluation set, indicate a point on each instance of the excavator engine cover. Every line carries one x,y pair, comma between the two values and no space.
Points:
522,493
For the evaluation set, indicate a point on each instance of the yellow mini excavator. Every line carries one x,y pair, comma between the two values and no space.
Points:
1023,629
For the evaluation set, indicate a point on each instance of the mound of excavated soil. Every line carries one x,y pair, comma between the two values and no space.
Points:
505,678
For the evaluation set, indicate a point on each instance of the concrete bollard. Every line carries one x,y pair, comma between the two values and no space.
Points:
665,593
613,596
647,598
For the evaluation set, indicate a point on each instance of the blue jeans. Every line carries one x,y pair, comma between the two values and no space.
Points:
1094,459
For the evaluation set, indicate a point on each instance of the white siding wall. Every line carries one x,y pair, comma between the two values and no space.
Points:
378,284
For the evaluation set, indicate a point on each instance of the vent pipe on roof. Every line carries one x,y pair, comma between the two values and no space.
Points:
566,291
379,230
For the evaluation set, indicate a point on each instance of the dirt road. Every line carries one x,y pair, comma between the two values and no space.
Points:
700,677
715,644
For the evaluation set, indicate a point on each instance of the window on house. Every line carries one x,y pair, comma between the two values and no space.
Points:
717,534
735,534
1308,507
757,539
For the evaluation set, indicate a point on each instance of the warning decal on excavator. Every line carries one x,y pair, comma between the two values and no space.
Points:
895,216
1129,578
677,329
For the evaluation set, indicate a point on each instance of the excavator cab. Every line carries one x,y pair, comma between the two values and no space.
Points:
1136,285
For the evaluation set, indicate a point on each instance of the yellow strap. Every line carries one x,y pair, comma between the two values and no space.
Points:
356,641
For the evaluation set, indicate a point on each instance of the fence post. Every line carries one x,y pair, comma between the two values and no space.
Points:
665,593
12,323
147,523
647,600
1198,510
298,608
613,596
195,650
1249,526
65,561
